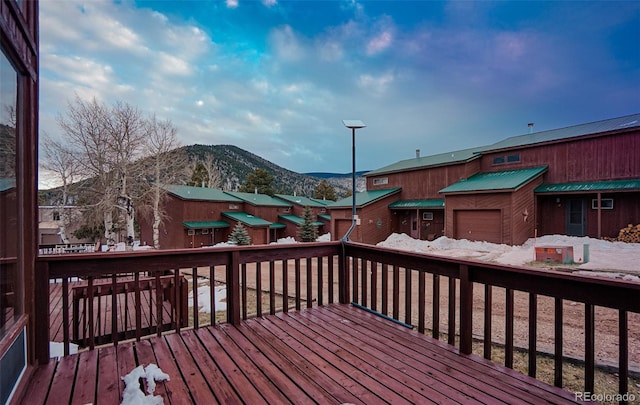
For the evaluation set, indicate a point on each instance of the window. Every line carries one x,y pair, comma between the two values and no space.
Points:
380,181
205,231
9,218
513,158
427,216
498,160
56,216
233,206
605,203
191,232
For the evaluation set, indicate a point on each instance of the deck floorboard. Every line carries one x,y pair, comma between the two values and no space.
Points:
328,354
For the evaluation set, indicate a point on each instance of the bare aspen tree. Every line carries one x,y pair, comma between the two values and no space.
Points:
164,166
107,142
60,160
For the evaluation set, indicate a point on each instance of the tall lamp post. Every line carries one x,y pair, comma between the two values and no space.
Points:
353,124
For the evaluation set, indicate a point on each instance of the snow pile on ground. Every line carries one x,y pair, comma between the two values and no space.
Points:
204,298
603,255
324,238
56,349
284,241
132,394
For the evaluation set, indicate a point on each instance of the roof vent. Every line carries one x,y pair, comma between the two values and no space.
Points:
417,153
530,125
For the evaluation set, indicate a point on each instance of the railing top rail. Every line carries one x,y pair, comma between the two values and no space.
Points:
149,260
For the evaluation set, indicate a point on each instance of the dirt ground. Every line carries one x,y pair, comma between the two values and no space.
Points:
606,320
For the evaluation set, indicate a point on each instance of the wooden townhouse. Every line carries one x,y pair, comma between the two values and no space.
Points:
582,180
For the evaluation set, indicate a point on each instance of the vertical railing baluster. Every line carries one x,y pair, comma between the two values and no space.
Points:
159,304
557,357
176,297
385,288
451,327
330,279
408,296
298,282
285,286
623,352
194,288
309,283
509,314
65,314
374,285
396,292
233,289
114,309
136,290
533,334
320,278
363,282
421,302
272,287
259,289
92,342
466,311
488,303
243,275
435,328
589,347
354,282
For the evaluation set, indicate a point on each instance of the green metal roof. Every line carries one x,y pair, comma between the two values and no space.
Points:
205,224
365,198
326,217
247,219
303,201
613,124
427,161
260,199
297,220
277,225
200,193
593,186
491,181
415,204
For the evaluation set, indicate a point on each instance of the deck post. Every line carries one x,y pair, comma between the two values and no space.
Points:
233,289
41,312
466,310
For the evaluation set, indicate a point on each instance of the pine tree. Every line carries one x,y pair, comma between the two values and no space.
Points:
239,236
308,231
200,176
259,180
325,191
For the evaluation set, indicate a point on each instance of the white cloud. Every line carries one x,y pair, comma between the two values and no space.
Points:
286,44
379,43
232,3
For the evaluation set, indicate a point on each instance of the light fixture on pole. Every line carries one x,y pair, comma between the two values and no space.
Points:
353,124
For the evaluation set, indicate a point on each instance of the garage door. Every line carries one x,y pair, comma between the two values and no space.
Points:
479,225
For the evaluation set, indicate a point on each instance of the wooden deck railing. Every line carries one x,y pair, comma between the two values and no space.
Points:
394,283
399,285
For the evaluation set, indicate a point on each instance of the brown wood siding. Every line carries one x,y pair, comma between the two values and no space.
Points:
522,220
591,159
495,201
375,222
426,183
552,213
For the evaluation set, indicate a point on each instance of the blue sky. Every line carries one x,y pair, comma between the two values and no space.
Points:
278,77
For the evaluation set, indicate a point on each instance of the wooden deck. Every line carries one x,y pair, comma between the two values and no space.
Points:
328,354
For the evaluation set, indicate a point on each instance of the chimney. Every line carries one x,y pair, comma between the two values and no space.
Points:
530,125
417,153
